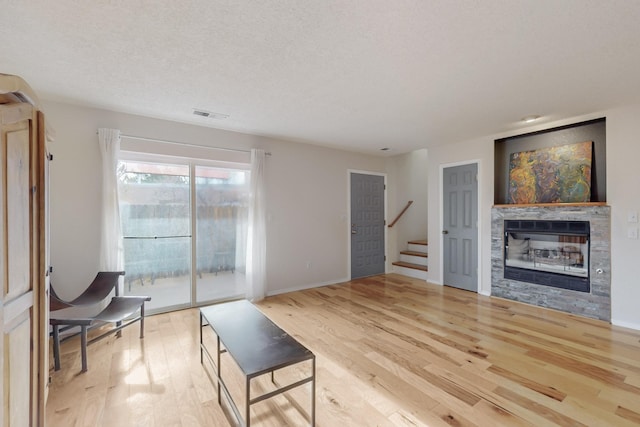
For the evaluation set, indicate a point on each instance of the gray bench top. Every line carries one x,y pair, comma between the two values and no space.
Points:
256,343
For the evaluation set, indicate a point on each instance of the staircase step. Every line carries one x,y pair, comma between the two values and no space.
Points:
414,253
418,242
414,257
418,246
410,265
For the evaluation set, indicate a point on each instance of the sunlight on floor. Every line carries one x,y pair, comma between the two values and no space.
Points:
176,291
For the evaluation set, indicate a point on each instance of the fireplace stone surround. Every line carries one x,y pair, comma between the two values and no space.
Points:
596,303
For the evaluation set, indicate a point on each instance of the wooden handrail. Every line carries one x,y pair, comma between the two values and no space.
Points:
400,214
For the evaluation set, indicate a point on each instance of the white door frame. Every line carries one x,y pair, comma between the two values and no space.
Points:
348,219
444,166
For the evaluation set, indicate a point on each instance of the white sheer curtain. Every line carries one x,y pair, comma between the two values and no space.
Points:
111,246
256,241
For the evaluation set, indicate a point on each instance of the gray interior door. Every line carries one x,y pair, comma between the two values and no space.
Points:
460,232
367,225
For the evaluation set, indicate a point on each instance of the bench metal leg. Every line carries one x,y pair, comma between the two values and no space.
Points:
142,321
219,369
313,392
56,348
248,407
83,347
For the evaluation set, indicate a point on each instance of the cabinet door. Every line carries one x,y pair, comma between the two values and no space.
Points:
44,158
18,265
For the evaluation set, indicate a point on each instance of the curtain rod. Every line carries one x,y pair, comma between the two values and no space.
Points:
186,144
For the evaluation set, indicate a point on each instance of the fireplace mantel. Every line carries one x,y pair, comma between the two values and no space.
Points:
594,304
550,205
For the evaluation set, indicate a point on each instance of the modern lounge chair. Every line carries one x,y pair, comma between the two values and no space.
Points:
104,283
63,317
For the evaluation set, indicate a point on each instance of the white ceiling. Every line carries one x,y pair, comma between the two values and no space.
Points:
358,74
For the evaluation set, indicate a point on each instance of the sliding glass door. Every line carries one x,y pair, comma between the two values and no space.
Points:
221,232
161,232
156,226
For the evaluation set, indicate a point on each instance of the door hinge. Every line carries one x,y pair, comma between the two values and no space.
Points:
385,257
50,157
33,189
384,186
384,222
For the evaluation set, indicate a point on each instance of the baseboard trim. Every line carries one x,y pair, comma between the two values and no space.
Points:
304,287
624,324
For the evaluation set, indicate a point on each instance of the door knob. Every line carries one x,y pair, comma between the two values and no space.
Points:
445,231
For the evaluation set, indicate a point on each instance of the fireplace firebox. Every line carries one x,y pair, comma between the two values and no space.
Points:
550,253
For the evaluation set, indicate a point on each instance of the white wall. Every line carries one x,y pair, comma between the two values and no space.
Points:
307,193
306,197
407,180
623,195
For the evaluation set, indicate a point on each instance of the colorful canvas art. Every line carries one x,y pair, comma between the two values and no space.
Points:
559,174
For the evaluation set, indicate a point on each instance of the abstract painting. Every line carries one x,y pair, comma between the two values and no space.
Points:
559,174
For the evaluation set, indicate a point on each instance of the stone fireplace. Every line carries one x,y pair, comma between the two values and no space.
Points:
554,256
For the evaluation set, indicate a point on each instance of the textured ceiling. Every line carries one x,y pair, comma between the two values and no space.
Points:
360,74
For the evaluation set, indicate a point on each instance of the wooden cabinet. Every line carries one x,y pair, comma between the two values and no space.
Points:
23,255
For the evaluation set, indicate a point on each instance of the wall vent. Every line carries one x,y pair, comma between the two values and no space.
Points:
209,114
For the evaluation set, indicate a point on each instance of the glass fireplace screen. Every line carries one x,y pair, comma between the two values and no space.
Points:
560,247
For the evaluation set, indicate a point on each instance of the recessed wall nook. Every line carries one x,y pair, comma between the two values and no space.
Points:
556,254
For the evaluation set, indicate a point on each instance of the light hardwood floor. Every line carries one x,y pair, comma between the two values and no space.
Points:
391,351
